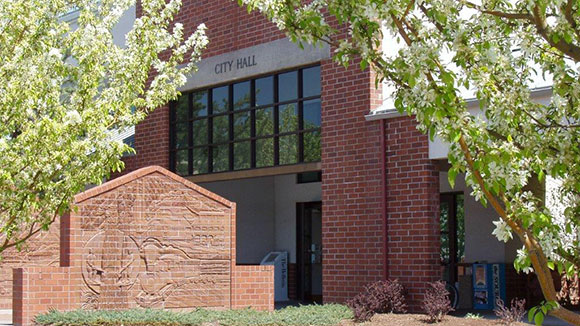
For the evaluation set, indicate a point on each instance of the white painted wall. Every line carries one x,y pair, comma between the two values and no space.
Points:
266,213
124,25
255,215
480,244
439,149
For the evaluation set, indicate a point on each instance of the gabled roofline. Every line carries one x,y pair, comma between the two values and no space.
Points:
122,180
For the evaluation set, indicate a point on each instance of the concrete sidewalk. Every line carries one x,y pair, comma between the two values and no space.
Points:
488,314
5,317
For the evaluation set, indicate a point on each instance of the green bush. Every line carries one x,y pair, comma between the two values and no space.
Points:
330,314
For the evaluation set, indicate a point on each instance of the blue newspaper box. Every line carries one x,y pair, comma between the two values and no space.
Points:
488,285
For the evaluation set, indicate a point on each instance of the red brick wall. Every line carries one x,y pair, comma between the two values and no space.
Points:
41,250
351,163
413,209
253,286
148,239
351,183
37,289
230,28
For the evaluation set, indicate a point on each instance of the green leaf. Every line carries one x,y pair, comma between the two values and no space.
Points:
363,64
531,313
432,132
446,77
451,175
539,319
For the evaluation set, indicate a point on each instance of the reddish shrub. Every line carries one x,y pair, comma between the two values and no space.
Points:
436,302
510,315
379,297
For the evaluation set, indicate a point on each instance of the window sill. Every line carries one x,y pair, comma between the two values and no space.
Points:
254,173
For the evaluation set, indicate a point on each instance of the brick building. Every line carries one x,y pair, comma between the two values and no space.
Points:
318,165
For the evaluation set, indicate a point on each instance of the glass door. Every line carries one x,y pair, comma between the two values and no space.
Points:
452,223
309,251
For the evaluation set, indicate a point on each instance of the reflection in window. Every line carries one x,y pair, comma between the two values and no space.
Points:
288,117
288,86
268,121
265,91
312,114
242,95
312,146
220,99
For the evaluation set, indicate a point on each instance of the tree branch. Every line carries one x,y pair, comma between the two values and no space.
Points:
546,32
569,18
501,14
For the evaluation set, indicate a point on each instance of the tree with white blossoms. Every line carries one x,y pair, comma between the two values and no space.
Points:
441,53
64,91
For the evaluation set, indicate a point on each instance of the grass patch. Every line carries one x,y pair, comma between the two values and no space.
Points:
322,315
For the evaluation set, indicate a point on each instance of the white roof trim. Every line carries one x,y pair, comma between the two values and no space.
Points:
388,112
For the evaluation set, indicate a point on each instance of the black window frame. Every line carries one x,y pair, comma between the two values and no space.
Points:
230,113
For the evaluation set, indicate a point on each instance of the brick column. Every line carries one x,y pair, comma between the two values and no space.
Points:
413,209
38,289
351,183
151,141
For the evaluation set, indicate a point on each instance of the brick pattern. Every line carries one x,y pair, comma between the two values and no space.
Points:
41,250
253,286
223,18
153,243
37,289
413,209
147,239
352,191
351,183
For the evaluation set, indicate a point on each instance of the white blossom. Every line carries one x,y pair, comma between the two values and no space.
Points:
73,117
502,231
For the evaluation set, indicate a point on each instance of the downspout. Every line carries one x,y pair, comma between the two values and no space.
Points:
382,126
381,114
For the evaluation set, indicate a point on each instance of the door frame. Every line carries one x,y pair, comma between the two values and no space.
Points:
300,291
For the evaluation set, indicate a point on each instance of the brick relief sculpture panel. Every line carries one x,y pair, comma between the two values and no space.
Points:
154,243
148,239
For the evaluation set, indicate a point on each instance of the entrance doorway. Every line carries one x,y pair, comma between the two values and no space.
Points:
452,222
309,251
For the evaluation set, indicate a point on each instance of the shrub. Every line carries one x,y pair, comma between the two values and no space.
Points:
436,302
378,297
510,315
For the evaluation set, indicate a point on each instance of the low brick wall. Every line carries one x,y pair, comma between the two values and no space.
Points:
149,239
40,250
37,289
253,286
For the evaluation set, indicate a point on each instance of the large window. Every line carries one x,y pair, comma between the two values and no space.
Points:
262,122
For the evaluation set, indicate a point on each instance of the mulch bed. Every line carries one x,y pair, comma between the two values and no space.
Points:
421,320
